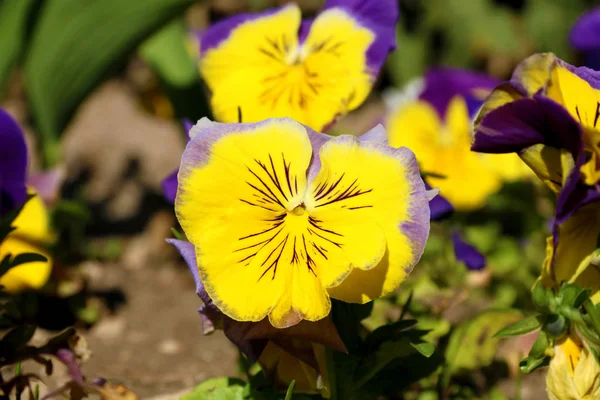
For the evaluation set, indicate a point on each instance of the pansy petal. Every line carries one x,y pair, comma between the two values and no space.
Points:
467,253
169,186
31,235
47,184
442,84
337,77
244,63
574,240
585,33
370,209
524,123
375,134
442,149
237,185
13,163
381,17
210,316
439,207
576,95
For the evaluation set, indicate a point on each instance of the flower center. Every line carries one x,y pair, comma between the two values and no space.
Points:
299,210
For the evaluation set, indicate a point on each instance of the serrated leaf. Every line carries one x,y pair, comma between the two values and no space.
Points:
522,327
13,26
74,44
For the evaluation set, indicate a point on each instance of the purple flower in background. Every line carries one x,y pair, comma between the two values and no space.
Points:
585,37
13,164
467,253
274,64
442,84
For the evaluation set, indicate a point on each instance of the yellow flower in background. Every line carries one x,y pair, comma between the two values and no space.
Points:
574,373
32,235
443,148
274,64
282,217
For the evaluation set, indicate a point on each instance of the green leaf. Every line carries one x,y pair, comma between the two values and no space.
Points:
522,327
290,391
541,296
167,54
376,361
425,349
73,47
19,259
217,389
13,25
537,355
572,295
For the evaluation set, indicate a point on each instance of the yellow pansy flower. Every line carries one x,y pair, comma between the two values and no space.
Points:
282,218
274,64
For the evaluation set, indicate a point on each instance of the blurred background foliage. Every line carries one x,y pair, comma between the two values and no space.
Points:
56,53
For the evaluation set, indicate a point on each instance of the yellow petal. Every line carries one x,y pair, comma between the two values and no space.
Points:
576,241
368,197
263,69
233,207
444,148
31,235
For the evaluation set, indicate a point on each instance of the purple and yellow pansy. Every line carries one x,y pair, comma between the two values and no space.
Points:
275,64
282,218
31,232
549,114
436,125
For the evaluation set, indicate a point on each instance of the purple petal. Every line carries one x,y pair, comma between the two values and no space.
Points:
68,358
304,29
585,33
13,163
220,31
442,84
467,254
47,184
210,314
379,16
589,75
375,134
439,207
187,126
526,122
169,186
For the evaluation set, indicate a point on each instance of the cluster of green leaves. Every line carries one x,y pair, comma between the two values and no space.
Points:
569,309
67,47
